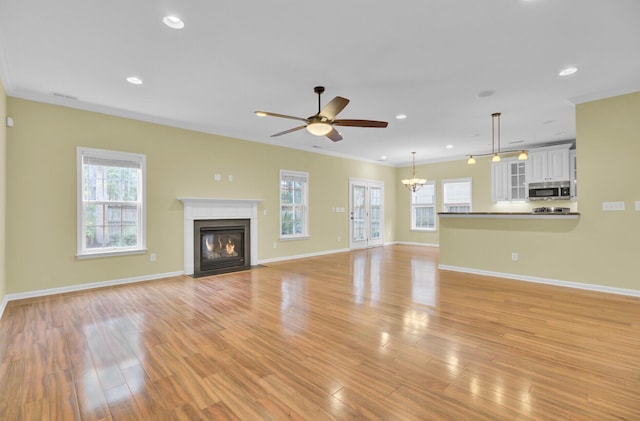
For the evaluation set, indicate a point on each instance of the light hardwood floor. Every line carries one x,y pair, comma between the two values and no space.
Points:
372,334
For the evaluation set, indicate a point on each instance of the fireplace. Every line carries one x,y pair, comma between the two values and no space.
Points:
221,245
202,208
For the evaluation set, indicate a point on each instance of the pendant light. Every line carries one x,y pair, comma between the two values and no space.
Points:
414,184
495,143
496,154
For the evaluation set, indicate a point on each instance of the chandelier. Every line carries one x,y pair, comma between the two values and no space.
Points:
414,184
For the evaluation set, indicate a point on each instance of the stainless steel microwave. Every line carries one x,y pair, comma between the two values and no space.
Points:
549,191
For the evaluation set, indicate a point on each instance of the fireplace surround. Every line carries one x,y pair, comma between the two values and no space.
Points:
233,210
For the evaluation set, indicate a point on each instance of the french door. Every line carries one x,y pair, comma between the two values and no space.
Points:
366,211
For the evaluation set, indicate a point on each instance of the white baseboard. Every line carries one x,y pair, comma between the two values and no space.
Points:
408,243
302,256
534,279
3,305
81,287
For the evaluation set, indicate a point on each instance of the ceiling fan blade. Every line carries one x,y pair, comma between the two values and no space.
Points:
334,106
295,129
334,135
361,123
266,113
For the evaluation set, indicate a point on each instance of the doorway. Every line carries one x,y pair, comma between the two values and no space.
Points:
366,212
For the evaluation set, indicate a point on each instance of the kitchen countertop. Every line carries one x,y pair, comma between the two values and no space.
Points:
511,215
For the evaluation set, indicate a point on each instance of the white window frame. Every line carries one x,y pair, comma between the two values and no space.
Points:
447,205
415,205
304,176
137,160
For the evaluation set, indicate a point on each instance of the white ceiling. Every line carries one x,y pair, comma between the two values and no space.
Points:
427,59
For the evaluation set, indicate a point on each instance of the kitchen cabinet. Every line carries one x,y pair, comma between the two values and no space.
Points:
573,172
499,181
508,180
548,164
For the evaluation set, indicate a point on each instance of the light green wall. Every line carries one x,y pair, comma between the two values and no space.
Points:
3,192
599,248
41,192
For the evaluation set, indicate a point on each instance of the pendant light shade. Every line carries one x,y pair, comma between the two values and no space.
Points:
414,184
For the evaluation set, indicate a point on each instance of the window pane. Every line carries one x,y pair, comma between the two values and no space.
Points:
111,200
426,195
457,192
293,204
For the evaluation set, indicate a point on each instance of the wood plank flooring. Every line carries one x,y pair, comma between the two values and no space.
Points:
378,334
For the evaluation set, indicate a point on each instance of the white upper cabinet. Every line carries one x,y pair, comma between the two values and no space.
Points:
508,180
499,181
548,164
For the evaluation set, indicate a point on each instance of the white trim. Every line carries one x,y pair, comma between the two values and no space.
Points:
92,285
115,252
409,243
3,305
303,256
547,281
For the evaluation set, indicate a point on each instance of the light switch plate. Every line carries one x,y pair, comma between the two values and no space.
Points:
637,205
612,206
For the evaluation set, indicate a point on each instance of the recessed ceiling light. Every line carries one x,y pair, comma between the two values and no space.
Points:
134,80
383,157
449,146
173,22
568,71
485,94
401,116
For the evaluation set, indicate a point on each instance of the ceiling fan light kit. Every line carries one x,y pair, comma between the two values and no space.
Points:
319,128
322,123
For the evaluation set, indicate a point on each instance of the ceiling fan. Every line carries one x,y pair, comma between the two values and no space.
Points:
321,123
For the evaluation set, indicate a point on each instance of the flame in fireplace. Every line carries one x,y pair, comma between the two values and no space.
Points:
230,248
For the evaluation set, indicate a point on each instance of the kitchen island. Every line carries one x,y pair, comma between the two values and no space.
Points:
524,245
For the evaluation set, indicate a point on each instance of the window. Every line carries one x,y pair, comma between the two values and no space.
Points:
111,203
294,204
423,208
456,195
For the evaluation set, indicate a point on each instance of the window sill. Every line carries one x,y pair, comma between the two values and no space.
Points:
301,237
100,254
424,229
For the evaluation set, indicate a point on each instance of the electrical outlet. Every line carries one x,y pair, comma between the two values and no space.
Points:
514,257
275,245
339,239
153,257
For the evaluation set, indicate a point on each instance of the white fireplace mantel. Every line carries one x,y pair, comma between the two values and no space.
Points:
198,208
